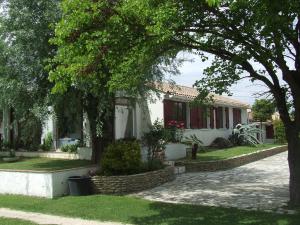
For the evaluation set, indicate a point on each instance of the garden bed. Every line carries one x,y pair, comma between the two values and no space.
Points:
40,177
132,183
223,164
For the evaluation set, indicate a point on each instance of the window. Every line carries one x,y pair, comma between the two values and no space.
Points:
237,116
227,118
174,111
219,117
198,118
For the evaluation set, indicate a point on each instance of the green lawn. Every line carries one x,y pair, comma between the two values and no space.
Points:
219,154
43,164
4,221
142,212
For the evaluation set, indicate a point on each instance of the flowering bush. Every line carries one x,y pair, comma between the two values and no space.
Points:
176,129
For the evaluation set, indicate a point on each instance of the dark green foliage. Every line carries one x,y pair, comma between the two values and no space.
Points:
30,130
263,109
279,132
48,142
71,148
121,158
236,140
155,140
220,142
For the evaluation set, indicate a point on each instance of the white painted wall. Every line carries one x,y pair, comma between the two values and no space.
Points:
175,151
40,184
83,153
207,136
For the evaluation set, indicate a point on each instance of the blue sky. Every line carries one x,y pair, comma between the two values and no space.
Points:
193,70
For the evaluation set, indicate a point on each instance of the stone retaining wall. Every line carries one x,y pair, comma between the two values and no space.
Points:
192,166
132,183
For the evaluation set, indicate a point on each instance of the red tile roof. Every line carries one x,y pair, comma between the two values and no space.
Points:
191,93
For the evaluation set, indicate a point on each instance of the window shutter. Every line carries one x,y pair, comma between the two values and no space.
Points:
212,118
168,111
204,117
183,119
227,118
239,116
194,117
220,117
200,115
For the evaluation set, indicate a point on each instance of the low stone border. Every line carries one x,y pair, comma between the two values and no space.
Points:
132,183
192,166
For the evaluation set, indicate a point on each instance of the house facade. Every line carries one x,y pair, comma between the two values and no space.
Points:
173,104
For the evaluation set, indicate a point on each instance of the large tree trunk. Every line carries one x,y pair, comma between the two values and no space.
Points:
99,142
294,165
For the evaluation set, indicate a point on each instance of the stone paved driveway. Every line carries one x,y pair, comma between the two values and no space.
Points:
261,185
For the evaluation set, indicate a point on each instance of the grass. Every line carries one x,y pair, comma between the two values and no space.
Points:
5,221
220,154
43,164
143,212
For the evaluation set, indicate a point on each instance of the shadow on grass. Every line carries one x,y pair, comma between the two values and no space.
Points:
44,164
171,214
61,164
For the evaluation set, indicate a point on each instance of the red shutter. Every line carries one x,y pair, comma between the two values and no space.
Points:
227,118
194,118
212,118
220,115
168,111
204,118
200,115
239,116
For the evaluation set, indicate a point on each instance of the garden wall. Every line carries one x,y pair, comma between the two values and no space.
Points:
40,184
196,166
83,153
132,183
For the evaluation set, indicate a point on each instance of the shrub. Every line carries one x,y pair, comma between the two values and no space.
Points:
156,140
220,142
71,148
122,157
48,142
279,132
246,134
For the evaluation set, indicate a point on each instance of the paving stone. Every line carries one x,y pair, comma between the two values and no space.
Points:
259,185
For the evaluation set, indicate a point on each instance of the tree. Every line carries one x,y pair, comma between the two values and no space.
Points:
125,40
99,43
258,39
262,110
25,31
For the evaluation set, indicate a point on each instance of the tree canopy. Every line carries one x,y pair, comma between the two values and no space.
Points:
110,45
25,32
263,109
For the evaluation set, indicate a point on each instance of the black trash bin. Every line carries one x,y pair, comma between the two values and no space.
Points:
80,185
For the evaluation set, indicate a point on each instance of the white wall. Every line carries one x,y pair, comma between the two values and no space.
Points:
207,136
40,184
83,153
121,120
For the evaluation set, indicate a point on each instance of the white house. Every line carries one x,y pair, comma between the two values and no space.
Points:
173,104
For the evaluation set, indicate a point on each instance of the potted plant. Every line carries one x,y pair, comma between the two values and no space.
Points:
195,143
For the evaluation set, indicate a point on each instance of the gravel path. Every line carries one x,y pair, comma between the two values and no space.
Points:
49,219
261,185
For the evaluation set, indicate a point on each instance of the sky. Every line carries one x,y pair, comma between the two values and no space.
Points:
190,71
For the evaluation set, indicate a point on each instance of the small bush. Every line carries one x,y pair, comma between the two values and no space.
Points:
71,148
121,158
220,142
279,132
48,142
